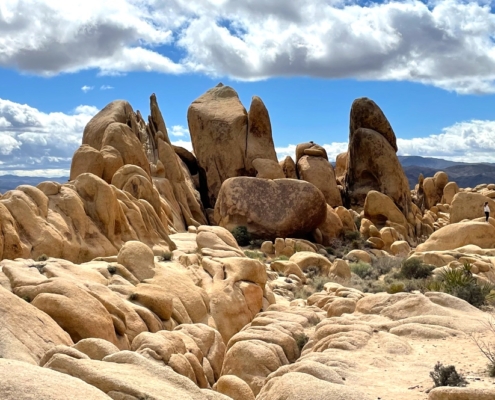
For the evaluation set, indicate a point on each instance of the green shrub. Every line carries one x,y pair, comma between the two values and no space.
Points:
362,269
318,282
43,257
413,268
446,376
255,255
166,256
352,235
282,258
301,340
241,235
396,287
303,293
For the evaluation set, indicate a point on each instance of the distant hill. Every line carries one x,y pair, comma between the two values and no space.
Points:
9,182
464,174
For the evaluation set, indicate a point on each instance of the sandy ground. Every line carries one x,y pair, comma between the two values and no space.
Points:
390,377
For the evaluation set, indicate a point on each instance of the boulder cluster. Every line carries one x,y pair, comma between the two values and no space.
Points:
130,282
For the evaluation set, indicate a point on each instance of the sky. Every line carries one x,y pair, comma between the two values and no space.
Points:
430,66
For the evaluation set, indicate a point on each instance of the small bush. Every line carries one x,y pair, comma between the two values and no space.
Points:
43,257
255,255
352,235
311,272
396,287
318,282
384,265
487,346
446,376
282,258
303,293
301,340
241,235
362,269
112,269
356,244
256,243
166,256
414,268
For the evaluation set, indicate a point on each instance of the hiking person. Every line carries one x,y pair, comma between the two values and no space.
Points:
486,209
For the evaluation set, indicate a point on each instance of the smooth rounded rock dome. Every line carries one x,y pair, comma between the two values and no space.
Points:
138,259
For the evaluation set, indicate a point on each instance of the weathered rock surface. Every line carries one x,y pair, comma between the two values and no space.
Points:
270,208
21,381
469,206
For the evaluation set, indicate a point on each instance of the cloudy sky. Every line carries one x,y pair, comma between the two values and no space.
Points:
429,65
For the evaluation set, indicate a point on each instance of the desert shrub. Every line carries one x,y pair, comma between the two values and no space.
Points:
352,235
318,282
256,243
43,257
413,268
303,292
446,376
281,258
396,287
357,221
241,235
256,255
384,265
487,346
112,269
166,256
301,340
362,269
461,283
356,244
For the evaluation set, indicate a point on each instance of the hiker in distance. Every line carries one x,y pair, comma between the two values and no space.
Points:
486,209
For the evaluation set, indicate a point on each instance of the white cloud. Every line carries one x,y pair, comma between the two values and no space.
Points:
469,141
183,143
86,89
445,43
106,87
34,140
179,130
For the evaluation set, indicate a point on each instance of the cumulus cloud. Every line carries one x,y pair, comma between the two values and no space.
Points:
34,140
179,130
86,89
469,141
446,43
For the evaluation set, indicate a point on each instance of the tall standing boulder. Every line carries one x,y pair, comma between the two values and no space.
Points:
226,139
218,124
259,137
319,172
372,161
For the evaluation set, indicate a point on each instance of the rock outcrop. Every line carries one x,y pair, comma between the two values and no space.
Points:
270,208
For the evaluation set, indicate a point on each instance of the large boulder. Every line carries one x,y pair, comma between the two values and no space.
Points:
319,172
379,209
270,208
86,159
21,381
469,206
26,332
259,136
460,234
372,163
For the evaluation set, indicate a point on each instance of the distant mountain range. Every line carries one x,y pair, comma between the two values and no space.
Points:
9,182
464,174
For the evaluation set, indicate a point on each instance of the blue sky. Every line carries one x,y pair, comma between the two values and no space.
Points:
429,66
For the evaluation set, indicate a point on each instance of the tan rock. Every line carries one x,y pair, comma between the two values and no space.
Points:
218,124
358,255
340,165
138,259
267,169
332,227
112,162
305,260
234,387
460,234
347,219
28,345
340,269
270,208
461,393
400,248
289,167
17,383
379,208
319,172
259,136
469,206
96,349
287,268
86,159
341,306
